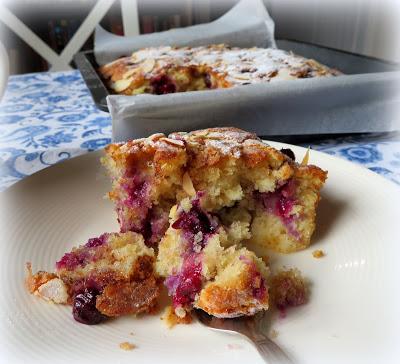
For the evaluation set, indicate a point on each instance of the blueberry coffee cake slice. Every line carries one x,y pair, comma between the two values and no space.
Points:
191,208
243,181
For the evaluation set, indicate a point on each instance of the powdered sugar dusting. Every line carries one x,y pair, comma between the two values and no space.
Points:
238,66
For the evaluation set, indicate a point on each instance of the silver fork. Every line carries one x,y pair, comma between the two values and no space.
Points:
250,328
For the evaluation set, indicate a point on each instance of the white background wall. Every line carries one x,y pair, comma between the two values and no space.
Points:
369,27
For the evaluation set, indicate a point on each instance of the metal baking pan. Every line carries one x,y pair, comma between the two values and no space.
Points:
348,63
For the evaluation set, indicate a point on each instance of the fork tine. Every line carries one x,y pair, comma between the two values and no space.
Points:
248,327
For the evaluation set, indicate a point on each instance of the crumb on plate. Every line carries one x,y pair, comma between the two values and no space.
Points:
273,334
288,288
318,253
171,319
127,346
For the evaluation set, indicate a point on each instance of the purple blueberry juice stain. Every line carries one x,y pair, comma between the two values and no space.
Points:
281,203
259,293
72,260
196,226
137,192
158,226
95,242
82,255
184,286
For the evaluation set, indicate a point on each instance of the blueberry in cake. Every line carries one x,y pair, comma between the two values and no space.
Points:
164,70
109,276
187,206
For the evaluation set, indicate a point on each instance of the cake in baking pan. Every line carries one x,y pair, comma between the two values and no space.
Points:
164,70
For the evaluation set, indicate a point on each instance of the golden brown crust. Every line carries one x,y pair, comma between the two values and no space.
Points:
314,176
229,302
143,268
128,297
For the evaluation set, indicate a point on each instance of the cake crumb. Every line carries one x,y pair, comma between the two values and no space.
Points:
288,288
318,254
127,346
171,319
273,334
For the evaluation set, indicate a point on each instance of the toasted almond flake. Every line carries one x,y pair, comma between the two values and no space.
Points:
121,85
54,290
243,76
284,74
127,346
177,143
148,65
306,157
156,136
188,185
129,73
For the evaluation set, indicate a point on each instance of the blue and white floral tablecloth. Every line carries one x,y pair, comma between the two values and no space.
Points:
49,117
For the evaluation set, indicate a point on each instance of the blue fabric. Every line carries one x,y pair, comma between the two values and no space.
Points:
48,117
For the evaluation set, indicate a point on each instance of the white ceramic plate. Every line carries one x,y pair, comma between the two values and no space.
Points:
352,316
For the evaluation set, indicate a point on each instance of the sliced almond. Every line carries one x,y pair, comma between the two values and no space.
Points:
129,73
243,76
284,74
306,157
54,290
148,65
156,137
174,142
188,185
121,85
